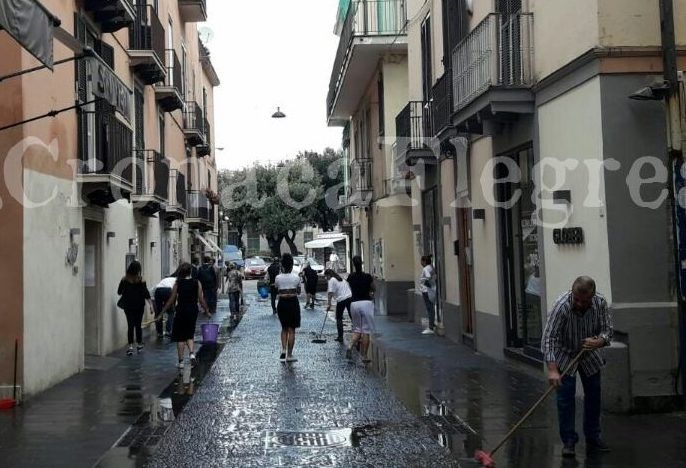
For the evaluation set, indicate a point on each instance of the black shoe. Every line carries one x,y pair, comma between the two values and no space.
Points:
597,446
339,339
129,352
282,357
349,354
568,451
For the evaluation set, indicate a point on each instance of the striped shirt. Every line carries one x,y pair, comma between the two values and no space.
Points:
566,330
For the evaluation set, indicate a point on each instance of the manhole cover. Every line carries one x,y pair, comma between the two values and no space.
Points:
308,439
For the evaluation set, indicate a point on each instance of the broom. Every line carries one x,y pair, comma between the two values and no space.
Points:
319,339
485,458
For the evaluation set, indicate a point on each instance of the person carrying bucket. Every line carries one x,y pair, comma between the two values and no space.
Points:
186,294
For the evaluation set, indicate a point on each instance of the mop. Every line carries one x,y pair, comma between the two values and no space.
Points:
319,339
485,458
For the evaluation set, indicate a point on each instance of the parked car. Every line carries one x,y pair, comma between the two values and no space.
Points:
255,267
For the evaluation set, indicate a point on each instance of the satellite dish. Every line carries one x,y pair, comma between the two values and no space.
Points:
206,34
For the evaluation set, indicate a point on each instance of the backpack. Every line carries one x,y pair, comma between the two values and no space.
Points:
207,277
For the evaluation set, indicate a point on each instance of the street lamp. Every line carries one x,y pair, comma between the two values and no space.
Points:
278,114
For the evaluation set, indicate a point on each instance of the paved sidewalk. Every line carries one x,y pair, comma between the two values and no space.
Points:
473,400
75,422
254,411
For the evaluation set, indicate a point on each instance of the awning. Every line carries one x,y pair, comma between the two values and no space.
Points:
30,24
324,243
207,242
213,244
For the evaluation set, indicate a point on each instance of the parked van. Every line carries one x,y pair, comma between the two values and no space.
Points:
231,253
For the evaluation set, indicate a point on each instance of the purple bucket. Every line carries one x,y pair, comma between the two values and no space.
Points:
209,332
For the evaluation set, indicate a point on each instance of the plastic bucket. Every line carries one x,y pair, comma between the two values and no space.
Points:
263,291
209,332
7,403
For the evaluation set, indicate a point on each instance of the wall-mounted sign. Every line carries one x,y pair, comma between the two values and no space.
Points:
568,236
108,86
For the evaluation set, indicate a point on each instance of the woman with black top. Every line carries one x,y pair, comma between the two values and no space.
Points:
186,294
134,293
288,309
361,308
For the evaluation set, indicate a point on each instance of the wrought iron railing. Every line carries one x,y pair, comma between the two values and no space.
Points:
361,172
177,192
147,32
199,207
413,126
208,132
442,103
193,118
365,18
151,174
498,52
173,66
105,142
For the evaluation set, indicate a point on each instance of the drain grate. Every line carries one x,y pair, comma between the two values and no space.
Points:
308,439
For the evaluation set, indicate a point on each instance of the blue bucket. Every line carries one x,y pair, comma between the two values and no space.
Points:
209,332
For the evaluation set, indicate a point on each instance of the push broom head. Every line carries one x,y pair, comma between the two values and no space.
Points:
484,458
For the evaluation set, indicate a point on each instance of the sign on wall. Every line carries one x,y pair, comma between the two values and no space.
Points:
567,236
108,86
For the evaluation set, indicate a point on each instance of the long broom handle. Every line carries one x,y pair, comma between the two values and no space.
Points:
14,388
536,405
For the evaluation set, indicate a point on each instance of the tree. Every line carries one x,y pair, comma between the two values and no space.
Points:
280,200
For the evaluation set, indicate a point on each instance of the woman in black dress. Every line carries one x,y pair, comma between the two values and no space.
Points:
186,294
288,309
134,292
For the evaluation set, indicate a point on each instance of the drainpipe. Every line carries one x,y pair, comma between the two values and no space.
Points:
675,152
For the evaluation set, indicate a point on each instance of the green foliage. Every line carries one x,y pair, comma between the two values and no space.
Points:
280,200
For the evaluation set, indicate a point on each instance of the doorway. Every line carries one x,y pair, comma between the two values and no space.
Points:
92,291
464,260
521,272
433,241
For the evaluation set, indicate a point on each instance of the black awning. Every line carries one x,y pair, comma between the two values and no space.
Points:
30,24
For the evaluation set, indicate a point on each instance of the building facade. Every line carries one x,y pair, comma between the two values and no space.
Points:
129,174
368,87
529,166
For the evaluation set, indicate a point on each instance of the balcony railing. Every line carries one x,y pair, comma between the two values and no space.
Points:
497,53
365,18
413,126
147,32
177,192
199,207
442,103
194,124
111,15
105,143
173,66
151,174
193,11
206,148
361,175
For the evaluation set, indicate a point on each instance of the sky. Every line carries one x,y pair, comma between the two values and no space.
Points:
271,53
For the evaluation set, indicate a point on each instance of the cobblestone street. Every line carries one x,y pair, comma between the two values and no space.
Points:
250,397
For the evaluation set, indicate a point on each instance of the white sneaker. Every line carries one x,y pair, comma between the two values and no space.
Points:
180,365
428,331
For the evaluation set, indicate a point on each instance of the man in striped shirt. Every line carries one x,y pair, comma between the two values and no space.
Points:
579,320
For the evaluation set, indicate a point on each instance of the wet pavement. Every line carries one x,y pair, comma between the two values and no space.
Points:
473,400
423,401
77,421
254,411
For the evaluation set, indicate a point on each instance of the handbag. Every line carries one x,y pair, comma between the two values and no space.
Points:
121,303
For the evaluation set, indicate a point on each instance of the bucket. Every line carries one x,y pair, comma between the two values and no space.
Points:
263,291
7,403
209,332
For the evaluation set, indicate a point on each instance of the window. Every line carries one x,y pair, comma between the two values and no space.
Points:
382,117
139,103
427,74
162,130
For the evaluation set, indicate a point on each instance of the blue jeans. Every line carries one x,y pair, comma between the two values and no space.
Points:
234,302
430,310
566,408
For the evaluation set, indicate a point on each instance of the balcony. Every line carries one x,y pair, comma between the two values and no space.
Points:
205,149
372,29
442,108
193,11
414,134
105,145
176,208
193,124
111,15
493,70
169,94
200,213
361,188
146,45
151,181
